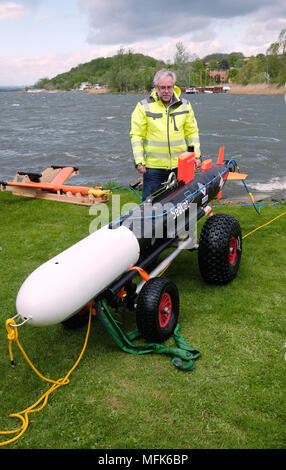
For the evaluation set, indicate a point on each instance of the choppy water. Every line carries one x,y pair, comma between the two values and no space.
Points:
91,132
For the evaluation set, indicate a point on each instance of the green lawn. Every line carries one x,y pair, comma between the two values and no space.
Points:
233,399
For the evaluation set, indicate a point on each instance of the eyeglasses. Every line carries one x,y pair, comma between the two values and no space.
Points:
161,88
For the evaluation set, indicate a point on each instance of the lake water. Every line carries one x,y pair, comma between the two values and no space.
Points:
91,132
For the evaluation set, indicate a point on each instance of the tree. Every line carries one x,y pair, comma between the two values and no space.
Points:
213,63
276,59
224,64
181,66
181,56
232,75
235,59
253,71
279,47
41,83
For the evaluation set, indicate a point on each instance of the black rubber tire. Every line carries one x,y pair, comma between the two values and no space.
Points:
153,324
220,249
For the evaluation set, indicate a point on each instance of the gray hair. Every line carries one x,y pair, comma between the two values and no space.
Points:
164,73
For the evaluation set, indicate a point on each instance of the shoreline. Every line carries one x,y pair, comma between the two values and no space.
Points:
256,89
250,89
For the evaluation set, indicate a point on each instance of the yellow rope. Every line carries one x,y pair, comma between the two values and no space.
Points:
42,401
264,225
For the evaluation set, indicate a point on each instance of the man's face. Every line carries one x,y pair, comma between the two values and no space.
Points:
165,89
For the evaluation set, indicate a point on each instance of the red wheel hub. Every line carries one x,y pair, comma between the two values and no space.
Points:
232,250
165,310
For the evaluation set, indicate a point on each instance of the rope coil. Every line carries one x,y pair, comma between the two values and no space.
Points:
42,401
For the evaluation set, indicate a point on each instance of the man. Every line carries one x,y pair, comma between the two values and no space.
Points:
162,127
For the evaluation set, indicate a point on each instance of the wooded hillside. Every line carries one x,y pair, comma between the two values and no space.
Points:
127,71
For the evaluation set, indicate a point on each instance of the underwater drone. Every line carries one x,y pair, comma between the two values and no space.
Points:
105,263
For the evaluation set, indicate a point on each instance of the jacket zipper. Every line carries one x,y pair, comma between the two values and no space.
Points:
168,133
168,136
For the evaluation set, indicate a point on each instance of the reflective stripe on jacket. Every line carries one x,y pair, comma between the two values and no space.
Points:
160,134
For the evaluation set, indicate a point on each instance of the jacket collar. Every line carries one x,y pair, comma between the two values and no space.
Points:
175,97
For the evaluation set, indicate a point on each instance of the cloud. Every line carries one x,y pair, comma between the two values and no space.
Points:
65,38
27,70
125,21
11,11
262,29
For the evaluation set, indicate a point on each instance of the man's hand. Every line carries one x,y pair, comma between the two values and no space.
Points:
198,163
141,169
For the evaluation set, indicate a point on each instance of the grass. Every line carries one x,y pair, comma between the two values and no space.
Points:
233,399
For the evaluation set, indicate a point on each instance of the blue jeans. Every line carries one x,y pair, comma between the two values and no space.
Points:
153,179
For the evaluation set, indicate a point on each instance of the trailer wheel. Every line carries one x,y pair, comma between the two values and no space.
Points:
220,249
157,309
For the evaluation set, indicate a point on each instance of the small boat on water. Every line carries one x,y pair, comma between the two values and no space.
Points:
206,89
191,90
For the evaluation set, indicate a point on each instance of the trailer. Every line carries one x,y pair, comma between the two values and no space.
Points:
102,269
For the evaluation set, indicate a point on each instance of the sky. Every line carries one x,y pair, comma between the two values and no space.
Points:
42,38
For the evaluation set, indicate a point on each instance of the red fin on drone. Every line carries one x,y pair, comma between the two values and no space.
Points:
220,156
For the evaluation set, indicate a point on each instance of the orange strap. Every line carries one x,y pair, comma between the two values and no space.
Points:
145,276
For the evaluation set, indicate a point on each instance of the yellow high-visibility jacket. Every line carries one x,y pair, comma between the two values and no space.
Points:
160,134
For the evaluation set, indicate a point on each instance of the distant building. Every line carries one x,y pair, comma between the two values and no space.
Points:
222,74
84,86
